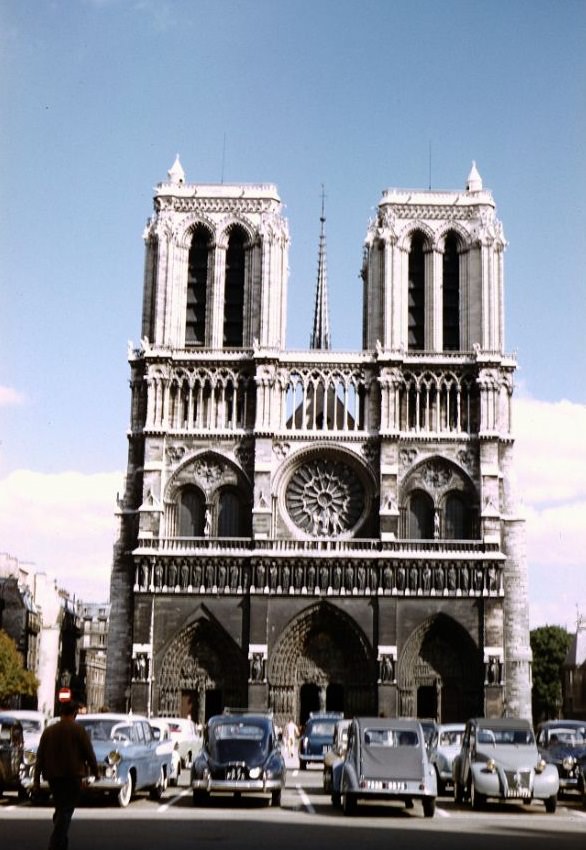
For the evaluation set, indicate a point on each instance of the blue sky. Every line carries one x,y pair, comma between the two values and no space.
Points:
99,95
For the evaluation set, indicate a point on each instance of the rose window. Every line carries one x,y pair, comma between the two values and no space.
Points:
324,498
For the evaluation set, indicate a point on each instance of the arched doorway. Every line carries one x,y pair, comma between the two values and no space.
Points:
440,672
201,671
322,662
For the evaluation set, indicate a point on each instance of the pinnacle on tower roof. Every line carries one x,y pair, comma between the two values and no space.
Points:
176,173
320,337
474,181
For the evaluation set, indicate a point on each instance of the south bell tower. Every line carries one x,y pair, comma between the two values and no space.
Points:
434,312
320,529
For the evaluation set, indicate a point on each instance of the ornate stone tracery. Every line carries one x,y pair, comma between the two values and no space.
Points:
324,497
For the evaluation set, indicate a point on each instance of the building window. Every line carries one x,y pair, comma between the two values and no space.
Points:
456,520
234,288
416,294
420,517
229,514
197,287
191,512
451,294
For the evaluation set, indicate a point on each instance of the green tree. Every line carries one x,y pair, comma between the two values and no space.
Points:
14,679
550,646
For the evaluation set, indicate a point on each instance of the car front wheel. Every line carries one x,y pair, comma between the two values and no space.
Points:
477,800
124,796
276,798
348,803
428,807
156,792
551,804
200,798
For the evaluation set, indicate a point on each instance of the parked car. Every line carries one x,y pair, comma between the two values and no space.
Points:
33,724
563,743
336,755
167,745
241,754
387,759
186,735
318,737
499,759
429,726
443,748
128,757
11,755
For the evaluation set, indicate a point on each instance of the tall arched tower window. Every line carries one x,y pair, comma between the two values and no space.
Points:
197,287
420,517
191,512
416,293
234,288
451,294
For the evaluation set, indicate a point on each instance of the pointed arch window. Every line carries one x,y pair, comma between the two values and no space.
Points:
451,294
197,286
230,514
420,517
234,288
416,293
191,510
456,518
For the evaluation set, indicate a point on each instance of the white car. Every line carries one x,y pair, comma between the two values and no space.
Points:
33,724
166,744
444,746
186,735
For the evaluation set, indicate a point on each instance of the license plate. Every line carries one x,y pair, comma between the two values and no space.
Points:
235,773
326,749
396,786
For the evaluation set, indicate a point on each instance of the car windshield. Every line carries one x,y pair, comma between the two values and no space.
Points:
568,737
33,726
450,739
105,730
391,738
321,729
505,736
237,741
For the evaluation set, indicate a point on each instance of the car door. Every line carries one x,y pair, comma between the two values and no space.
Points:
154,757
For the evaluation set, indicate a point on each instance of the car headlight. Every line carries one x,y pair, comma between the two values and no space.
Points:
491,765
568,763
540,766
254,772
29,758
114,757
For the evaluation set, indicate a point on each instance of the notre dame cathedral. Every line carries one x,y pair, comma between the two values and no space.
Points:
307,530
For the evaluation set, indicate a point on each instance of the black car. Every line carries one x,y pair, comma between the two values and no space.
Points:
318,737
241,754
11,755
563,743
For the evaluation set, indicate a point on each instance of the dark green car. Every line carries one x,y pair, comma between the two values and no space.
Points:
11,755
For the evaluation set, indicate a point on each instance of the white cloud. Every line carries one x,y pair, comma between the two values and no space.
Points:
550,453
9,397
64,524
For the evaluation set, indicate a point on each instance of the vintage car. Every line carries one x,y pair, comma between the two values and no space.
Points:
443,748
166,745
11,755
499,759
318,737
33,723
563,743
186,735
335,756
241,754
128,755
387,759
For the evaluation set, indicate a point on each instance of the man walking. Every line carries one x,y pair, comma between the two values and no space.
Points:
65,757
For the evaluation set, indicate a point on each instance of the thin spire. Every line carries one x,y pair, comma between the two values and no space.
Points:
320,337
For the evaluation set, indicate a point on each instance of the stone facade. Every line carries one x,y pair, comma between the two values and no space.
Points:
318,529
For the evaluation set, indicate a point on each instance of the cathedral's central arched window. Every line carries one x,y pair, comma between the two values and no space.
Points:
324,498
191,512
234,288
420,517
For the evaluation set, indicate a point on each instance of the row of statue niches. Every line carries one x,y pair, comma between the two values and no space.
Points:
453,578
